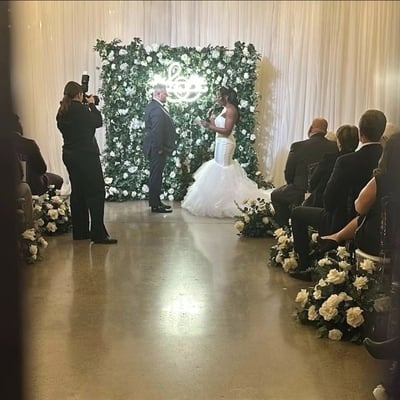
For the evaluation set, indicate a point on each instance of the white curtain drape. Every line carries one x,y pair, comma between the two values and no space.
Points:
333,59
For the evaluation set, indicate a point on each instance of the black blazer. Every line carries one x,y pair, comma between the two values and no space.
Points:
350,174
29,151
160,130
78,127
302,155
319,178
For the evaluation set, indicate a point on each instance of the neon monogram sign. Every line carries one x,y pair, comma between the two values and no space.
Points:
181,89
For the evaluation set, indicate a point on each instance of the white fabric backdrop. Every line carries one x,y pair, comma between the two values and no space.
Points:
333,59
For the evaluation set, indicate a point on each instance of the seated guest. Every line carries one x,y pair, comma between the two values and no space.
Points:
382,191
389,130
302,154
350,174
36,176
347,142
376,232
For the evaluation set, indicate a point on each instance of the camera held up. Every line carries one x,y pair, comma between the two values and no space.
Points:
85,88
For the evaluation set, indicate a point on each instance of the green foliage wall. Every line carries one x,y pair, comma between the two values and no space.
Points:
126,75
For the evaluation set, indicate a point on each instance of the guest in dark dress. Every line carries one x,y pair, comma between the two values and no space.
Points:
379,196
78,122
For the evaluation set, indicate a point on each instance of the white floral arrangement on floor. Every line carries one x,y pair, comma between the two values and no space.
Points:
282,254
346,300
31,244
256,219
52,213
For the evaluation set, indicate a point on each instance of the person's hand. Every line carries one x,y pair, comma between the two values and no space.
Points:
205,124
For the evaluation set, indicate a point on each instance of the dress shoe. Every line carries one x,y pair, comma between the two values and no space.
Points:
386,350
303,275
106,240
165,206
160,209
326,245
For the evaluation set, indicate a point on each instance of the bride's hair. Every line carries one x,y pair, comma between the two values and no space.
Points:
231,95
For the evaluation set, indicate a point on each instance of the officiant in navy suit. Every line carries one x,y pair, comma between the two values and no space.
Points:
159,143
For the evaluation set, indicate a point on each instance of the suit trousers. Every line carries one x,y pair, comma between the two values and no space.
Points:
87,195
283,199
157,165
302,218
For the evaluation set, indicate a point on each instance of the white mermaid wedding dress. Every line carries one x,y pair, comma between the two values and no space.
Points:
219,182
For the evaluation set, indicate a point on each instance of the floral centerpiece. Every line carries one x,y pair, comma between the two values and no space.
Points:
31,245
257,218
52,213
344,299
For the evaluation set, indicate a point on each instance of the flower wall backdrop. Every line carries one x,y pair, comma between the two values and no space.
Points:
127,73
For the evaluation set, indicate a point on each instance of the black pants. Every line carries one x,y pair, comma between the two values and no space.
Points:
284,199
302,217
87,195
157,165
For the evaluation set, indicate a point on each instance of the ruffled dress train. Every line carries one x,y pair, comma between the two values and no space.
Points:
219,182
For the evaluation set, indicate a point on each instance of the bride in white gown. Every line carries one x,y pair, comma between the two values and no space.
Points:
219,182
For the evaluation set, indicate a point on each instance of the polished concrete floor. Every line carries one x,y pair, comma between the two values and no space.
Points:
181,308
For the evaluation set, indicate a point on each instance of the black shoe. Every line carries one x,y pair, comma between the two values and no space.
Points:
326,245
166,206
303,275
386,350
161,209
106,240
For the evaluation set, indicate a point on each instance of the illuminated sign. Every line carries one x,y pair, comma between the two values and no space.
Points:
181,89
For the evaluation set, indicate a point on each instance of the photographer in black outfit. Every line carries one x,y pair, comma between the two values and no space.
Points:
78,122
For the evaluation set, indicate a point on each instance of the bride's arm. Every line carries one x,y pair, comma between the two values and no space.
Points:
230,120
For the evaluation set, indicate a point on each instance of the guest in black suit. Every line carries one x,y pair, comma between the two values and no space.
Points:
301,156
159,143
382,192
347,142
350,174
28,151
78,122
